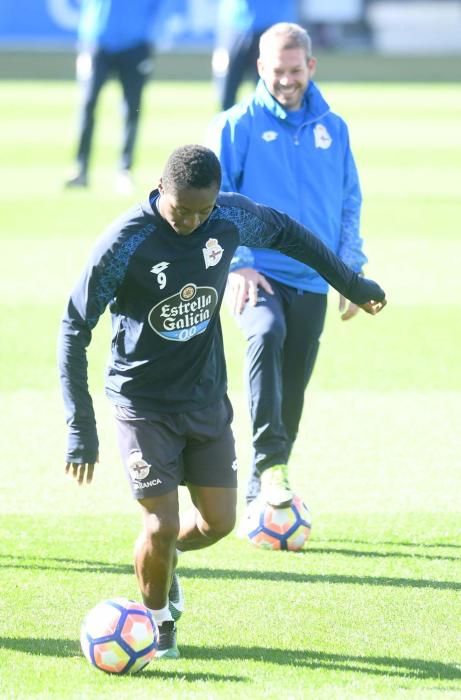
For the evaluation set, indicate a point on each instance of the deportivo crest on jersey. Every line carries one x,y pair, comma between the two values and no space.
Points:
212,252
137,466
269,136
322,137
184,315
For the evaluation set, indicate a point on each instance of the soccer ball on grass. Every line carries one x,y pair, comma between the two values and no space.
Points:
119,636
279,528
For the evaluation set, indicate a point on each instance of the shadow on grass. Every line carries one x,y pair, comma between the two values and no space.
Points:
306,658
396,543
157,671
375,665
70,648
88,566
378,555
293,577
64,563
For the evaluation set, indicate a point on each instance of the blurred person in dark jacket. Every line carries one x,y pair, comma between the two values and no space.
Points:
114,37
240,25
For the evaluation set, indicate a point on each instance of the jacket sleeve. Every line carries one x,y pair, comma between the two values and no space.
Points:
95,289
351,243
263,227
73,340
243,257
228,137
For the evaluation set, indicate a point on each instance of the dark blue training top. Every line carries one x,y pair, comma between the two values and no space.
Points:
165,292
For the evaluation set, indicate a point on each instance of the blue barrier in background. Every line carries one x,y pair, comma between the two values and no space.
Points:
32,24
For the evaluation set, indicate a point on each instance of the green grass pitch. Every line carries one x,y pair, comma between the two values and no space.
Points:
372,607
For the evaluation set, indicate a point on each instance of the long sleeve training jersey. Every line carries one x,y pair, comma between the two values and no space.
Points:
164,292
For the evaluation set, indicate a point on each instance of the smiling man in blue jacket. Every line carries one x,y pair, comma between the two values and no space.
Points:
284,147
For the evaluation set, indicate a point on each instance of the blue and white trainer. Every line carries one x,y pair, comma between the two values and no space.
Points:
167,645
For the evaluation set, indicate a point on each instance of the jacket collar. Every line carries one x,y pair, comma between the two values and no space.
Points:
316,105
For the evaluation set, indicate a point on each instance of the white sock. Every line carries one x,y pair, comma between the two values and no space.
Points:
162,615
178,552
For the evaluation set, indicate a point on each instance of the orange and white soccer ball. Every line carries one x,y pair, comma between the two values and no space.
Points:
119,636
286,528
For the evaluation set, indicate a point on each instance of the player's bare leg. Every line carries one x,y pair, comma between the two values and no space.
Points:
155,548
211,517
155,561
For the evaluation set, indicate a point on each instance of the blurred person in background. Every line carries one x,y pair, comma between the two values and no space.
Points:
240,24
285,148
114,37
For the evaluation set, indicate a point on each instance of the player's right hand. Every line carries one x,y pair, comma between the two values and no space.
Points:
82,473
374,307
242,287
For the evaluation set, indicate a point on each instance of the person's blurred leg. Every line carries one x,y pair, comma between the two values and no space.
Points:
134,67
92,72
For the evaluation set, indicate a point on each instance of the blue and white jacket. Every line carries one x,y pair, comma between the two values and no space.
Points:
297,162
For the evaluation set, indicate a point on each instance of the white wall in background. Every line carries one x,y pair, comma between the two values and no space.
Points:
416,27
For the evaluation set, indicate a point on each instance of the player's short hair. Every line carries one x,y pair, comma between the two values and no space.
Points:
288,36
191,166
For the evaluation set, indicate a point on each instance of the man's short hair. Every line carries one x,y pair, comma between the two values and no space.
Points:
288,36
191,166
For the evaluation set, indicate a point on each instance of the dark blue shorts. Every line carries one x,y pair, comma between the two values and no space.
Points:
160,451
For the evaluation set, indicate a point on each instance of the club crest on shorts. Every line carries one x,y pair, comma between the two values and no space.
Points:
137,466
212,252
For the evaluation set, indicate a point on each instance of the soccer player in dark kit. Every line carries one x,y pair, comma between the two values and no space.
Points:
162,269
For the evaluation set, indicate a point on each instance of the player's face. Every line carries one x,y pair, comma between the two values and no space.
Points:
286,73
187,209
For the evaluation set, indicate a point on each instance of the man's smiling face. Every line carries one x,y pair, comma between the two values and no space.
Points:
286,73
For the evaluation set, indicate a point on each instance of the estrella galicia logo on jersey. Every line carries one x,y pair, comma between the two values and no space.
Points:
212,252
184,315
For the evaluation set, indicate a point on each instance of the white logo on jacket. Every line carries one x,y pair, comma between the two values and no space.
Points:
269,136
212,252
322,137
159,271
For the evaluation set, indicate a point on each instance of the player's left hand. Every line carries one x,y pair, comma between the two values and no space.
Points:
373,307
82,473
349,312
